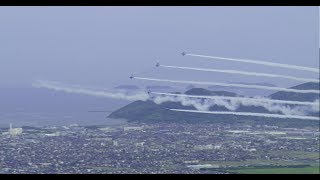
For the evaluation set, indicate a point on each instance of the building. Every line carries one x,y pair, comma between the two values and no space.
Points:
14,131
204,147
130,128
192,162
115,143
53,134
139,144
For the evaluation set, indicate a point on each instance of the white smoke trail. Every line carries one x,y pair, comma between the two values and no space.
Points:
234,103
250,114
59,87
244,73
289,66
315,103
231,85
203,105
199,104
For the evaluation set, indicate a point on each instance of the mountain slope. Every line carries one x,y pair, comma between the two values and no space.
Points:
298,96
149,111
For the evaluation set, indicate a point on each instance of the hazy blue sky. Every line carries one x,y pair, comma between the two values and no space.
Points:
102,46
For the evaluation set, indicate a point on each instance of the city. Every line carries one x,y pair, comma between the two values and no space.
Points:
156,148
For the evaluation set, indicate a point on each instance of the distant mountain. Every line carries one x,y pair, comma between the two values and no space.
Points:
298,96
148,111
205,92
244,91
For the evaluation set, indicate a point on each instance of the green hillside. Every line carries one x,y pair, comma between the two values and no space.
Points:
148,111
298,96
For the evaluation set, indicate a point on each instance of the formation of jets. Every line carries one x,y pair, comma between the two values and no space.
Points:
245,61
157,65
